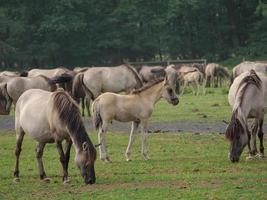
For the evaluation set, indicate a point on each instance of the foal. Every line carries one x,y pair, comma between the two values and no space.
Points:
136,107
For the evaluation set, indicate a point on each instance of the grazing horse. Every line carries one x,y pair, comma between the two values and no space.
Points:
13,89
136,107
97,80
213,71
57,119
248,99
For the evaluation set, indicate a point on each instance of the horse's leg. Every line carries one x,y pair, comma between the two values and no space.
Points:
183,88
254,131
198,83
67,155
131,140
144,139
101,139
39,155
63,161
19,139
87,105
82,101
260,135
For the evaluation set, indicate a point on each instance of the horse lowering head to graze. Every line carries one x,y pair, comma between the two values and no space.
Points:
136,107
215,71
150,74
57,119
248,99
97,80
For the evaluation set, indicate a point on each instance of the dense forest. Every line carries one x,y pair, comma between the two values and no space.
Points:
107,32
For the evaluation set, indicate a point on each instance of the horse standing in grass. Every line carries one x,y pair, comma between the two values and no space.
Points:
14,88
248,99
53,117
136,107
97,80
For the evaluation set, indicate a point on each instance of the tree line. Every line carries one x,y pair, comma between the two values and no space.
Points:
108,32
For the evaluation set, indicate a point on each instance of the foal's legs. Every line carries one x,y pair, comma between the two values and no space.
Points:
131,140
101,139
144,139
39,155
63,160
19,139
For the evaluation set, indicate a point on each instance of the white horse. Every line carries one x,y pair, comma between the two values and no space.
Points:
136,107
53,117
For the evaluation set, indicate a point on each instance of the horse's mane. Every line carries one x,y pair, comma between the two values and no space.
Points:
69,114
235,126
147,86
137,78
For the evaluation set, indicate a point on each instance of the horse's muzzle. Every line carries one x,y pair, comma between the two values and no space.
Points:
175,101
90,181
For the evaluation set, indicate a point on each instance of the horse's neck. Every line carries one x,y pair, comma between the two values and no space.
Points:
78,138
153,94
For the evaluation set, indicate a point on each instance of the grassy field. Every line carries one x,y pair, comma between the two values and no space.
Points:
212,107
185,166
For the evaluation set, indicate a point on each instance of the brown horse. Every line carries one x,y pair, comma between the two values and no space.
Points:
53,117
248,99
136,107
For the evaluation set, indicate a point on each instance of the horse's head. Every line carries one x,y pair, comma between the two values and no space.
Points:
169,92
5,100
85,159
238,137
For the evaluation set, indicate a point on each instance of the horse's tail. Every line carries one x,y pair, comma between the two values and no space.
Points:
77,86
97,119
24,74
63,78
139,82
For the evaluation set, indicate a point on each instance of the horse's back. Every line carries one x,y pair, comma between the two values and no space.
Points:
32,113
50,73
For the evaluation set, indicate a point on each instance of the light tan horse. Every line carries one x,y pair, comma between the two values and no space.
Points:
50,117
248,99
195,79
97,80
150,74
9,73
136,107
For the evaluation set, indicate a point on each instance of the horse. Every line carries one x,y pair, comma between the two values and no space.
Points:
136,107
97,80
213,71
151,73
246,66
9,73
52,73
196,79
14,88
57,119
248,99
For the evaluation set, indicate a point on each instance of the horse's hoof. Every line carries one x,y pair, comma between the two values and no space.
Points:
146,157
106,160
250,157
47,180
128,159
260,156
16,179
65,182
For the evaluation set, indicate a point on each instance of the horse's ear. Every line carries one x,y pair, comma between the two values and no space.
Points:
85,146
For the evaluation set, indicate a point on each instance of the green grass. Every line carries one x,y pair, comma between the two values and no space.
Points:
212,107
184,166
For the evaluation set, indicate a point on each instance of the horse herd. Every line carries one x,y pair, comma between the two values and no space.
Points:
52,115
